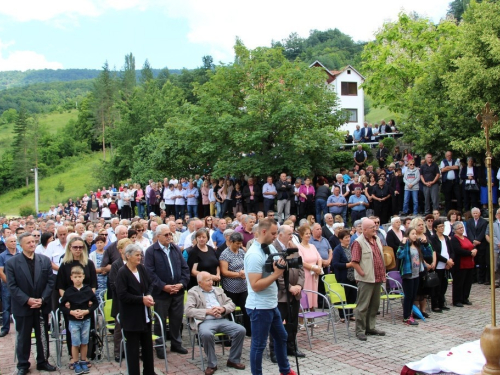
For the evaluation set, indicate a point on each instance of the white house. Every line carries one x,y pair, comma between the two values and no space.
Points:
347,85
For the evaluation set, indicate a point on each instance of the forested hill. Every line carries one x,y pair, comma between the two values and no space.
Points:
17,78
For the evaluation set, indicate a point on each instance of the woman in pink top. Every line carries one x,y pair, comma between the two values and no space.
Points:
312,264
306,196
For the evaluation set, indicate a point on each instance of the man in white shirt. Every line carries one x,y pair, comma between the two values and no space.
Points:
55,252
111,230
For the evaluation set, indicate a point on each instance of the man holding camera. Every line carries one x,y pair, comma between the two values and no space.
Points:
296,284
262,300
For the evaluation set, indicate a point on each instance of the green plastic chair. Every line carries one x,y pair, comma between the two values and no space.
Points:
338,300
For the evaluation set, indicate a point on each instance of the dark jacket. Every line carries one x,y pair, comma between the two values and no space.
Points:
22,287
111,254
282,187
436,246
296,276
158,268
477,233
246,193
113,274
382,153
130,293
89,206
63,280
339,264
78,300
463,175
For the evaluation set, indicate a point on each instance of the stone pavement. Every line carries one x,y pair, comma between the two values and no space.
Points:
378,355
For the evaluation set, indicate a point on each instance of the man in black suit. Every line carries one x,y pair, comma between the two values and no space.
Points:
251,193
31,282
169,275
476,233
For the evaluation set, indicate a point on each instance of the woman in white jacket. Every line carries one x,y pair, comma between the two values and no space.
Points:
411,180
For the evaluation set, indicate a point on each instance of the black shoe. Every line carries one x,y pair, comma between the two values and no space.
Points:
23,371
178,349
295,353
468,303
117,359
458,305
426,316
46,367
272,356
4,333
480,282
160,354
446,308
437,310
487,283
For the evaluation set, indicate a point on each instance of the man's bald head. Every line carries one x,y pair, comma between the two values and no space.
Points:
368,226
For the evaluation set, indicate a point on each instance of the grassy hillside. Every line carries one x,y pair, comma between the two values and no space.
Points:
77,179
377,114
53,122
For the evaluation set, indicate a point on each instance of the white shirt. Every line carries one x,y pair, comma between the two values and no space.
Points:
451,173
179,201
54,252
444,253
167,196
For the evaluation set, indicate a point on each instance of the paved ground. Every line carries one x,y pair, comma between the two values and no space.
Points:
379,355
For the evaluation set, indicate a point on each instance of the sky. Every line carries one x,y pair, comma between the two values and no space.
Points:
64,34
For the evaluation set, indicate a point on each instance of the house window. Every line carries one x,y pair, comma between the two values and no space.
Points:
353,114
349,88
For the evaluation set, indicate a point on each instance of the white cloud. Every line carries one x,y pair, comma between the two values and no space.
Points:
259,21
24,60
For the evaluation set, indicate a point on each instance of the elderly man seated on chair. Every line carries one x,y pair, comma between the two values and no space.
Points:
208,305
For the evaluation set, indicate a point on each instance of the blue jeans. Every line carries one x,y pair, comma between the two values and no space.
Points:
414,194
140,209
192,210
321,210
80,332
265,322
6,308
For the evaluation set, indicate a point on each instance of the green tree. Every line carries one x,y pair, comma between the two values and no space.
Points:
146,72
128,79
396,58
104,94
21,144
475,78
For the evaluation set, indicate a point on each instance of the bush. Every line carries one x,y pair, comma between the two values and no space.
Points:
389,143
60,187
27,210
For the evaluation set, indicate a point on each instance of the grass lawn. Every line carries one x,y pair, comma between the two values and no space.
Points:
77,179
377,114
53,122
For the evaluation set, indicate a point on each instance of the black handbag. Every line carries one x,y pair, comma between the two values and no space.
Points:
471,187
431,280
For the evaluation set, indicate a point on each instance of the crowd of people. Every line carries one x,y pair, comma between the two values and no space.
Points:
210,239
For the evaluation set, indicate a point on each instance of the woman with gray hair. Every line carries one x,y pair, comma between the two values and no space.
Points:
134,289
463,253
234,282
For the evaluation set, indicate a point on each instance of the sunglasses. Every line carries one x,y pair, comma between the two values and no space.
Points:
139,230
77,247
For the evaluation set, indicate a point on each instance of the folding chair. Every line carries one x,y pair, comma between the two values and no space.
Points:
194,337
338,301
155,320
108,323
311,317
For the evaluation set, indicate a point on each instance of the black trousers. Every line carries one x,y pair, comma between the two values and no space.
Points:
438,299
451,190
292,323
356,215
483,263
240,299
252,206
135,340
126,212
462,283
173,308
170,209
24,325
268,205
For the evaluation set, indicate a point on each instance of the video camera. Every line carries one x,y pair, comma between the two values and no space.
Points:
290,263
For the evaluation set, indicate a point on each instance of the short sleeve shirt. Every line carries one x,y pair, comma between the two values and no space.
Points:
322,246
254,263
429,172
235,263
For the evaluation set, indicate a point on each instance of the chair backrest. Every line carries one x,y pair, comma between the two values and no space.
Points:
394,275
329,279
339,289
106,310
304,302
